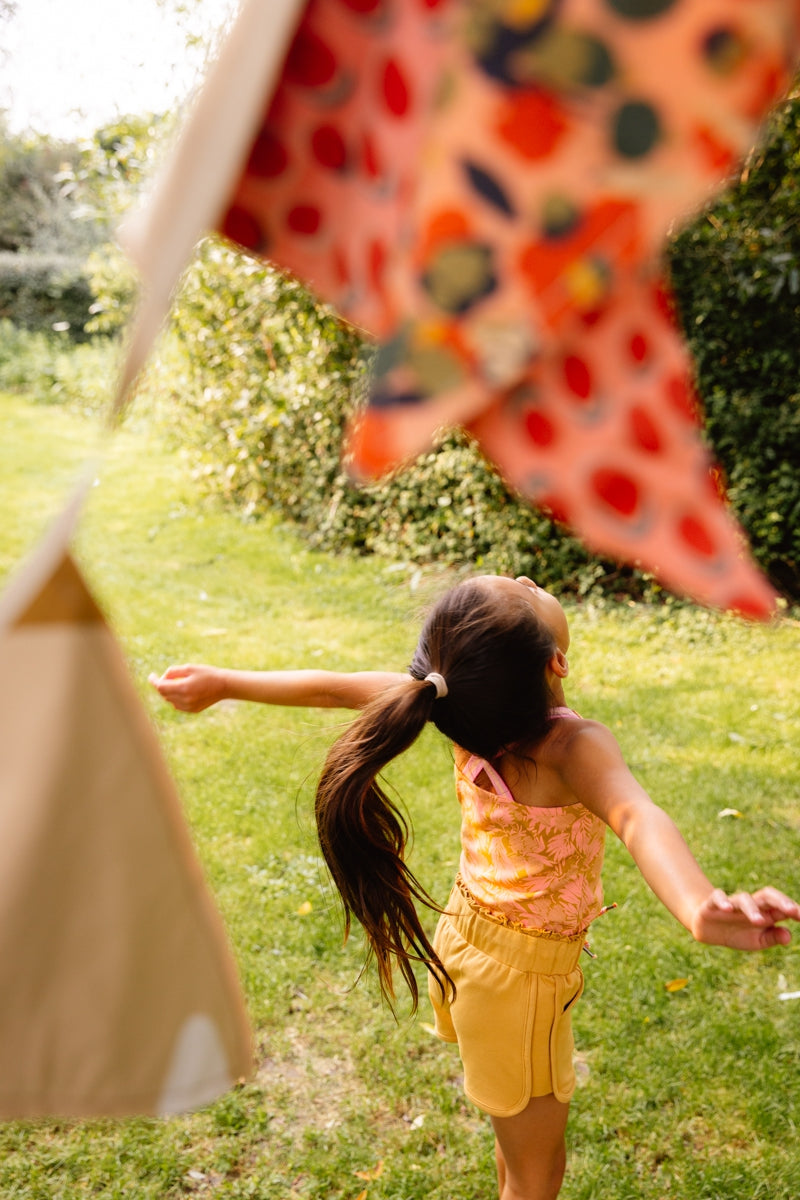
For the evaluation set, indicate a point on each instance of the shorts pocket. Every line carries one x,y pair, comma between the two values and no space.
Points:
569,988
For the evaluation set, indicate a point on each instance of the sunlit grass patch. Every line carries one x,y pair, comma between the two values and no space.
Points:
688,1093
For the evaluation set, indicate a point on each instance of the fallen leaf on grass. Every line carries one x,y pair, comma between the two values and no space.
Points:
305,908
789,995
676,985
362,1195
730,812
375,1173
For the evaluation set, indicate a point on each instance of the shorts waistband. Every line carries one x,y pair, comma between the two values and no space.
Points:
521,948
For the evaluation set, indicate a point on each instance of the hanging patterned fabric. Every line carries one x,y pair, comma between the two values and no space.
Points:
486,186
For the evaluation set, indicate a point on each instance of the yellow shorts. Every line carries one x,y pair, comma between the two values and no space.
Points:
512,1015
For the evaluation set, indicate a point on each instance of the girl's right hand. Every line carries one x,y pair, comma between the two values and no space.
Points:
744,921
189,688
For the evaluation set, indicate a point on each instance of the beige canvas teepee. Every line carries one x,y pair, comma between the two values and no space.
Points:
118,993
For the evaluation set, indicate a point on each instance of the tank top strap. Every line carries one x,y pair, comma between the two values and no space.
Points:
475,766
561,710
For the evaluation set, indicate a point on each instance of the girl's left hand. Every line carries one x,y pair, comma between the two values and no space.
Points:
189,688
744,921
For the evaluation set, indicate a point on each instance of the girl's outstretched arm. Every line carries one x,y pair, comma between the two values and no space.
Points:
194,687
598,775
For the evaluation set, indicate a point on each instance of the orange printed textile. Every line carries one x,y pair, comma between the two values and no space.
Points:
538,868
485,186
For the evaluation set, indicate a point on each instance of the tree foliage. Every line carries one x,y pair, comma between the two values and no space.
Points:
36,212
59,204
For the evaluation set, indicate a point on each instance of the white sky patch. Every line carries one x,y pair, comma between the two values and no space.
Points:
69,66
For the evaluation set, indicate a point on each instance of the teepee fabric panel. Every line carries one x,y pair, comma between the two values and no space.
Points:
118,992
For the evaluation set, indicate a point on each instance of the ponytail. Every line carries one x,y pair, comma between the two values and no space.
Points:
363,835
478,674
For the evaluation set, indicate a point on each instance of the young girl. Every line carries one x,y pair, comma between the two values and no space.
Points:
537,786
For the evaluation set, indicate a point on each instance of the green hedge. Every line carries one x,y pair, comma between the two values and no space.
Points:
50,369
267,382
42,292
736,273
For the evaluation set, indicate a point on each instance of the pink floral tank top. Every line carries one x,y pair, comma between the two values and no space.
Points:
534,867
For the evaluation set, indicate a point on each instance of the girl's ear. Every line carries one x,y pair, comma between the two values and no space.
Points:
558,664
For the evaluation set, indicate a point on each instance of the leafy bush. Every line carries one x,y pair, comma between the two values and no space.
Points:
736,272
50,369
112,280
45,291
268,381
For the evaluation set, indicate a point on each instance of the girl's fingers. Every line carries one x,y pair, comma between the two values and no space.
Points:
171,685
778,902
747,905
720,900
177,672
748,922
765,906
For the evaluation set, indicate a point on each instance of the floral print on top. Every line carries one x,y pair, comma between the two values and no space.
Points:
537,868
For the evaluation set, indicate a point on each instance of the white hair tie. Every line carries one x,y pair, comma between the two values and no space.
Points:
438,682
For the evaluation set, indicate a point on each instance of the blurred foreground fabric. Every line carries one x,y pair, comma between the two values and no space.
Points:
118,992
485,186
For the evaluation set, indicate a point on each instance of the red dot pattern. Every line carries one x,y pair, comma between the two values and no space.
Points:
644,430
328,147
242,227
540,429
578,377
638,348
311,62
696,536
268,157
618,491
396,92
304,218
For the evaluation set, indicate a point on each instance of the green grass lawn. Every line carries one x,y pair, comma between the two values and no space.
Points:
683,1095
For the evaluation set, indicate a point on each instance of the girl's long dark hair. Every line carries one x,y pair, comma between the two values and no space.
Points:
492,651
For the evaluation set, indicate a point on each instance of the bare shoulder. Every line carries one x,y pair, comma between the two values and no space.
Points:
591,766
582,752
578,738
